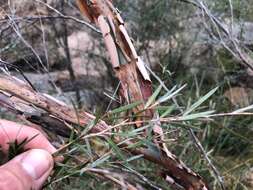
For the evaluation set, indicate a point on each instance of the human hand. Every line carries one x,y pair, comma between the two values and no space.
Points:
30,169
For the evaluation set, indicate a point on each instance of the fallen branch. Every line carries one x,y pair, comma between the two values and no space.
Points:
20,97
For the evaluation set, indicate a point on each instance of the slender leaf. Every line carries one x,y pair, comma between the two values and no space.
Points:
117,150
170,95
243,109
168,111
197,115
99,161
200,101
134,158
153,97
125,108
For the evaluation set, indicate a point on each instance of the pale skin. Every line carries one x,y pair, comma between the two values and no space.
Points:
30,169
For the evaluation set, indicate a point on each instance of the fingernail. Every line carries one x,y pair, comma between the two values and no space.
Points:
36,163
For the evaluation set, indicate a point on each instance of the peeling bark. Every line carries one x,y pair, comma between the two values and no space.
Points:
136,86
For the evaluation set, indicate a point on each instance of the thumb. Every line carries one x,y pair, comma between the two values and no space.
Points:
26,171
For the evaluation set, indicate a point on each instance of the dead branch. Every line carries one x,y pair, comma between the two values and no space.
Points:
134,78
128,66
12,87
21,98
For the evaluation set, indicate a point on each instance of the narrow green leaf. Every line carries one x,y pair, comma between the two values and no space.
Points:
153,97
117,150
125,108
168,111
99,161
243,109
89,152
200,101
238,135
134,158
196,115
136,131
170,94
137,144
90,125
16,147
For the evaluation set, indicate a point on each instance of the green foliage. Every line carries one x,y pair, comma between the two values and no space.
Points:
177,42
16,148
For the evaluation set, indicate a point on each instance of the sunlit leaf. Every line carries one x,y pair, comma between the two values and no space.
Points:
197,115
243,109
170,94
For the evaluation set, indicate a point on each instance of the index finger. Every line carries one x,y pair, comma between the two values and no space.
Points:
10,131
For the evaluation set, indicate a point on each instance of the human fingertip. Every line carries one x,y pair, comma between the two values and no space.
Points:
36,163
